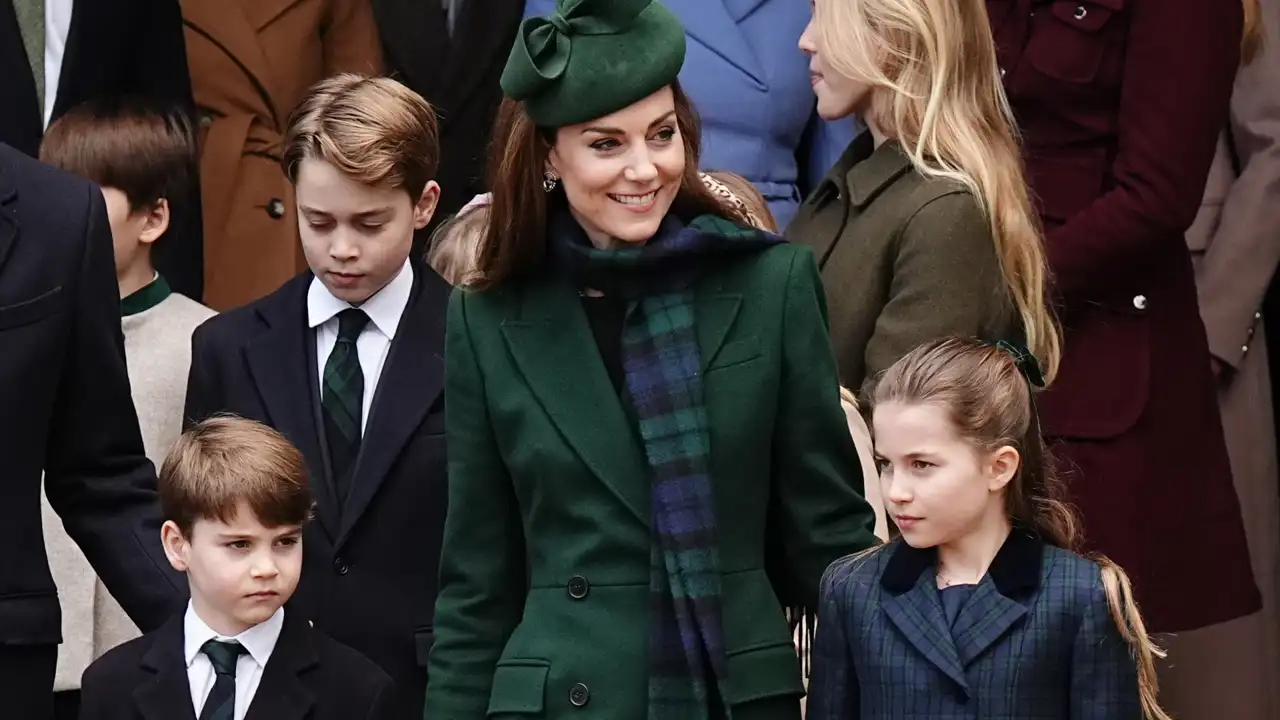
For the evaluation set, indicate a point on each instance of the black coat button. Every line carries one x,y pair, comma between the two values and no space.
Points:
578,587
275,208
579,695
340,566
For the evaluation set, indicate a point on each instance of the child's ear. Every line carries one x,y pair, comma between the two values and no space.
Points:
425,208
176,547
1003,466
157,222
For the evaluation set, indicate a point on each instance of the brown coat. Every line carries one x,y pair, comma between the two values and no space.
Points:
251,62
905,259
1228,670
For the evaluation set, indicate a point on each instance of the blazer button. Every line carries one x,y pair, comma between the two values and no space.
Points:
275,208
579,695
578,587
340,566
1140,302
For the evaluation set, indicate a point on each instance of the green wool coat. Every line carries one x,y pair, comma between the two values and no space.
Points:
905,259
543,609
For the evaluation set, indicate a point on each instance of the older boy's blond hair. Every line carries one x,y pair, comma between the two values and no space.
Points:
372,129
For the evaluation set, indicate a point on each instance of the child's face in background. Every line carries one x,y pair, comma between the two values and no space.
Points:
356,237
133,232
937,487
240,572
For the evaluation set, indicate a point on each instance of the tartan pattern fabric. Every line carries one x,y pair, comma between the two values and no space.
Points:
342,398
221,703
1053,654
662,366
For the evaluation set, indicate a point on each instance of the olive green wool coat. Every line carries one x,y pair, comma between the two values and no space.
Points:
543,609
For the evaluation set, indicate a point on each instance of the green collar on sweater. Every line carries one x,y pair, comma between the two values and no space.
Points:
148,297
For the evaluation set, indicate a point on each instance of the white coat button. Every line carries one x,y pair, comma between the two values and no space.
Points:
1140,302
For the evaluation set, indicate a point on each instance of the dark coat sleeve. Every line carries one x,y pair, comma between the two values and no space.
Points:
1104,678
203,393
97,475
833,685
1180,63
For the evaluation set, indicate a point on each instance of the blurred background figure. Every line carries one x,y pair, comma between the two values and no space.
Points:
753,92
57,54
452,52
1228,670
251,62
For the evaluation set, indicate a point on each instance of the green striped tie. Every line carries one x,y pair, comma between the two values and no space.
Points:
343,398
31,23
221,703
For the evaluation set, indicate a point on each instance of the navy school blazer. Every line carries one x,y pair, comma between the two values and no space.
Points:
1035,641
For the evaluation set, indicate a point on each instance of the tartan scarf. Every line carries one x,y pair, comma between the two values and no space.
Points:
662,365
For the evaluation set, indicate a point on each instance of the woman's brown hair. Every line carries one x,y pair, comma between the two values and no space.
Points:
989,401
514,243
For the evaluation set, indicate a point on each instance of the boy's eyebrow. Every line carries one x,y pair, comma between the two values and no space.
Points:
364,214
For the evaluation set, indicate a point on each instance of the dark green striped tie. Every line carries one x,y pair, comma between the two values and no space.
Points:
221,703
343,398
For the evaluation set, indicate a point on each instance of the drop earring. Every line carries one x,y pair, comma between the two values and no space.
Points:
549,181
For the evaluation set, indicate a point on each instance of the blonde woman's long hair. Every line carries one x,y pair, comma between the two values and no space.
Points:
937,90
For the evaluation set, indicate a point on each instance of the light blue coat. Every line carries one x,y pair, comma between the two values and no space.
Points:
750,84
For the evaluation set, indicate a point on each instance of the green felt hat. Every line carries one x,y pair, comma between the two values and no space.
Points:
590,58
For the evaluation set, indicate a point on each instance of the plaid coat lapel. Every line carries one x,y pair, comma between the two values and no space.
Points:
984,619
917,613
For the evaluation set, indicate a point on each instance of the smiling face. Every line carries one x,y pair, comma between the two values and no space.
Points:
240,572
356,237
839,95
936,485
621,172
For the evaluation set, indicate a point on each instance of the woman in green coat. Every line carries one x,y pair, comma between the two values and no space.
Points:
648,457
924,229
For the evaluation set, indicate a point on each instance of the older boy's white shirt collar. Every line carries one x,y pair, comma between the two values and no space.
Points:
384,307
260,640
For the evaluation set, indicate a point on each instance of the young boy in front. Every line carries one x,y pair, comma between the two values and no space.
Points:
347,361
143,158
235,498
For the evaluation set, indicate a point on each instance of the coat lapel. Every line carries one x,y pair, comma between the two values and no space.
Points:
409,386
168,695
229,27
998,603
912,604
714,310
555,351
8,223
712,23
284,372
282,695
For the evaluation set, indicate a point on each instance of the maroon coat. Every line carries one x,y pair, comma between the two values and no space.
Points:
1120,103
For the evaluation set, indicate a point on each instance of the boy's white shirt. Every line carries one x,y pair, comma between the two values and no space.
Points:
259,640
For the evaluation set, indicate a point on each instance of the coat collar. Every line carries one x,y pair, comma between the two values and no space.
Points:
556,353
914,605
714,23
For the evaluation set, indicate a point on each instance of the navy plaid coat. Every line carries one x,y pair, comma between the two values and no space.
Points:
1035,641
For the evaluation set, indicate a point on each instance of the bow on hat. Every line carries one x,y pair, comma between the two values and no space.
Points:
544,44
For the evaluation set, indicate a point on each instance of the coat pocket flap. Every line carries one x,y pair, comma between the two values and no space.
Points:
520,687
763,671
29,311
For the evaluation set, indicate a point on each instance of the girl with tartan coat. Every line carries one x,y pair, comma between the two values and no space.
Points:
648,457
981,609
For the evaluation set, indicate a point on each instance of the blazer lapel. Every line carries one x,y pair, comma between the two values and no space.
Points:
281,693
712,23
286,377
912,604
8,224
409,385
555,351
168,697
